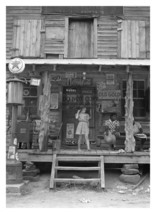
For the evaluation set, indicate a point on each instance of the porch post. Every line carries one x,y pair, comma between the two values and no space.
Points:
130,141
44,107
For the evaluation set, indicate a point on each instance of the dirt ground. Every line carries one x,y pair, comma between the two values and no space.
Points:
116,194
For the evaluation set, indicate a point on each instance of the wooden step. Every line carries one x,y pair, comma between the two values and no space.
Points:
76,180
78,158
77,168
99,168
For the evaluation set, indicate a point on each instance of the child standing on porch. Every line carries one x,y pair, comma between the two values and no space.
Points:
83,127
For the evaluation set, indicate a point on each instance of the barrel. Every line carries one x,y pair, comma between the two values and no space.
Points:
15,92
14,172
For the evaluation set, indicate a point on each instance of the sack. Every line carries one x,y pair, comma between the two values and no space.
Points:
109,138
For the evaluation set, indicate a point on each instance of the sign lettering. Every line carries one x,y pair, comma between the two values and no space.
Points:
109,94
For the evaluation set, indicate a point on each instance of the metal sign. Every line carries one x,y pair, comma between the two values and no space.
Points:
35,82
16,66
109,94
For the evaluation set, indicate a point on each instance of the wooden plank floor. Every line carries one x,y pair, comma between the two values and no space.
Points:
109,156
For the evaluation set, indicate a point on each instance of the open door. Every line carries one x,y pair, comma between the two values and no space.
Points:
73,99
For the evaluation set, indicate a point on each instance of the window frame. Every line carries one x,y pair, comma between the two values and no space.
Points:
123,98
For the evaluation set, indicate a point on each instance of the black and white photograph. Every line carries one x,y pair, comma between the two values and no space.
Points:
77,108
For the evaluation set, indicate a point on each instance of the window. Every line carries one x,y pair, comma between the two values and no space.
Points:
138,98
29,101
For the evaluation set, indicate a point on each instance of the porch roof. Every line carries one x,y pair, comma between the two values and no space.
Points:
131,62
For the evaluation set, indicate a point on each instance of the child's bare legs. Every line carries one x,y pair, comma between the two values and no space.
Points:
87,142
79,142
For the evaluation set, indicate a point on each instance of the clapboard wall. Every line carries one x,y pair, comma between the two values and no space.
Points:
54,35
44,36
107,37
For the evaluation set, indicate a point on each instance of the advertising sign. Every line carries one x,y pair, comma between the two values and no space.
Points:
109,94
70,130
16,66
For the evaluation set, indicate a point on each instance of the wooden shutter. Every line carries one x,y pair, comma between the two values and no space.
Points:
135,39
26,38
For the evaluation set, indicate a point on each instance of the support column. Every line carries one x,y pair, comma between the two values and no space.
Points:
13,123
44,107
130,141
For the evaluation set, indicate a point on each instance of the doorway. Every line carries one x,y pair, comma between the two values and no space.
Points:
80,38
74,97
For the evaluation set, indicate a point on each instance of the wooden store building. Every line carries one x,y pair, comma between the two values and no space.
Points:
77,56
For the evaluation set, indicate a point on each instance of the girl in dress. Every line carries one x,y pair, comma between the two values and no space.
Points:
83,127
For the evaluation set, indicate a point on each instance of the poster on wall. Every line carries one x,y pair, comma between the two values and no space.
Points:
54,101
70,130
110,79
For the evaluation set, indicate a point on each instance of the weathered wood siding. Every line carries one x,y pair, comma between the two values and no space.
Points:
132,41
9,33
135,39
138,13
14,13
107,37
54,34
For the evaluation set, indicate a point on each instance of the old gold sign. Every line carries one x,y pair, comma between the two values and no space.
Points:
109,94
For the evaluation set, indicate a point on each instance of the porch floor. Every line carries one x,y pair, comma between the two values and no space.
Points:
109,156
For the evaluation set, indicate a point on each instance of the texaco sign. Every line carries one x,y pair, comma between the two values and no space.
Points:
16,66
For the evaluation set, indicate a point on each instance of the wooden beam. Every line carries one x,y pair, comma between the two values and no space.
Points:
66,37
119,38
102,172
109,157
135,62
13,123
80,180
44,109
77,168
100,68
52,172
42,37
95,37
129,103
33,67
54,67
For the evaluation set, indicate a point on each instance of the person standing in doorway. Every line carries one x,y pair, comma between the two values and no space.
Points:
83,127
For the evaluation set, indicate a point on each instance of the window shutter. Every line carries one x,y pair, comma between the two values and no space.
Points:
26,38
135,39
